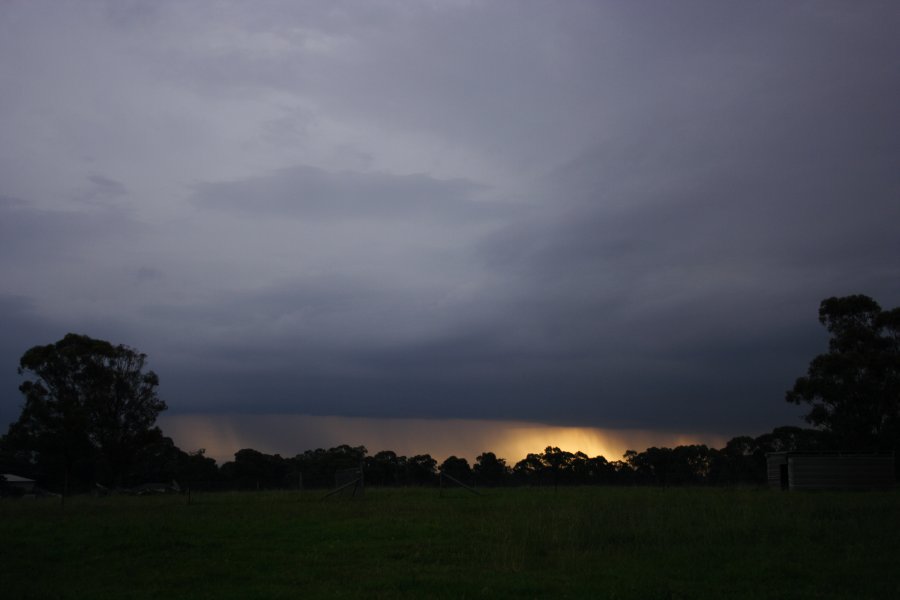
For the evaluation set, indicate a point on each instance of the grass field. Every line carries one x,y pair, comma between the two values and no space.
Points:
509,543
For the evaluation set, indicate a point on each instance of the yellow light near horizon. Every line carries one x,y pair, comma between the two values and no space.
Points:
288,435
518,442
592,441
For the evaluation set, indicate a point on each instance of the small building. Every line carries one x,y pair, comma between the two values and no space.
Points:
20,485
830,471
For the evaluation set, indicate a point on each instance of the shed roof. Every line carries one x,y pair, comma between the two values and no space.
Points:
830,453
10,478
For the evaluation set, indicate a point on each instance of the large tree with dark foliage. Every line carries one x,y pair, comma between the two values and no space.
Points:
458,468
489,469
421,469
90,407
854,389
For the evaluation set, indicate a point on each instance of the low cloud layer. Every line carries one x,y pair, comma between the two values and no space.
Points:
315,194
597,214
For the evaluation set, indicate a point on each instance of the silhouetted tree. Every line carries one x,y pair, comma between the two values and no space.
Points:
421,469
681,465
622,472
557,463
89,408
580,469
651,465
530,470
490,470
163,461
319,466
385,468
596,470
854,389
794,439
252,469
691,464
458,468
740,461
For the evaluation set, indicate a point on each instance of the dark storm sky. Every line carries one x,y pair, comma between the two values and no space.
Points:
609,214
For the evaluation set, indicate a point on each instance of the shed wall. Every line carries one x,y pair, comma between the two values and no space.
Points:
773,468
811,472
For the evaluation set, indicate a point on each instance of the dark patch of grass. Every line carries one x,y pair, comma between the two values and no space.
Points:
577,542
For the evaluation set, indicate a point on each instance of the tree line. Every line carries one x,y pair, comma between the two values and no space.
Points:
90,411
741,461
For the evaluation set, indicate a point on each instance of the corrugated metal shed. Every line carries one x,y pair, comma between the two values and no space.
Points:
830,471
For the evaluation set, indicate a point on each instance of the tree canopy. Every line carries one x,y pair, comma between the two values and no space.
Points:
853,389
89,406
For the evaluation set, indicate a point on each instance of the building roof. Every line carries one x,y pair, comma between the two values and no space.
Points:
829,453
10,478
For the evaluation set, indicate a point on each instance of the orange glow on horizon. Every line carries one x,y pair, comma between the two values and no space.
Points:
223,435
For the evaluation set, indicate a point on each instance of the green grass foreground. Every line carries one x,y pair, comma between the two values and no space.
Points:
510,543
